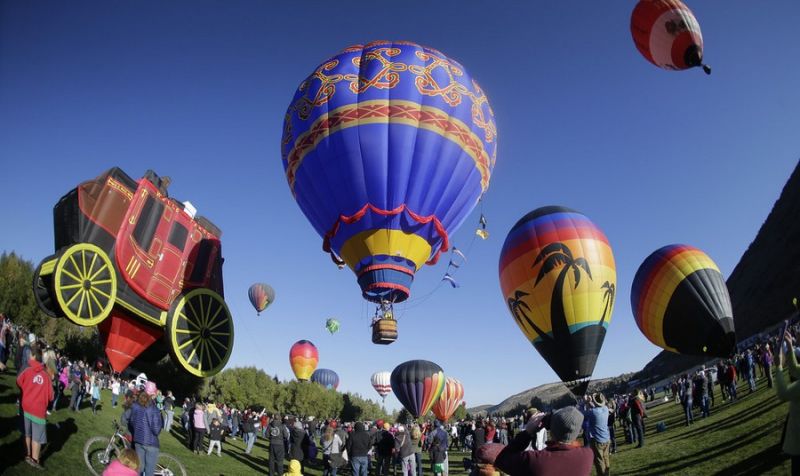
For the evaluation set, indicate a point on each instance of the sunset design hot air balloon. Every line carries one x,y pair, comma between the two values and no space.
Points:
451,398
558,278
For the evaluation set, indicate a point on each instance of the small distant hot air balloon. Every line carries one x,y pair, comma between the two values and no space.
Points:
382,383
681,303
326,377
332,325
558,277
417,384
450,399
261,296
667,34
303,357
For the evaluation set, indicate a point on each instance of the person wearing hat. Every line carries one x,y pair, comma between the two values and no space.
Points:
563,455
597,415
295,468
384,444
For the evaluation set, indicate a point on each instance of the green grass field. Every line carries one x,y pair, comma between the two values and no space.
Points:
740,438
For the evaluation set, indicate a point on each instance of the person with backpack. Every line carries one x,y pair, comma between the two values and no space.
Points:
36,392
277,448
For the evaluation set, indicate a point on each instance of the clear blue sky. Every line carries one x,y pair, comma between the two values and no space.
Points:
198,90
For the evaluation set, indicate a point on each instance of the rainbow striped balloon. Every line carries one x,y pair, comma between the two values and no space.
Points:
261,296
451,398
417,384
558,277
303,357
681,303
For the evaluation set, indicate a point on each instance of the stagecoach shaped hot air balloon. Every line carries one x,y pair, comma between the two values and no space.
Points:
667,34
261,296
451,398
417,384
303,357
382,383
558,278
681,303
387,147
142,267
326,377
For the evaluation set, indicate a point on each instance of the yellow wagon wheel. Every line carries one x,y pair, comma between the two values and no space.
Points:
85,284
200,332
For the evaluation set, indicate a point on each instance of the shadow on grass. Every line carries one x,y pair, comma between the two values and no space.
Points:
758,463
686,462
57,435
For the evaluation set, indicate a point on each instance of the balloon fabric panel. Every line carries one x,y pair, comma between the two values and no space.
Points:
387,148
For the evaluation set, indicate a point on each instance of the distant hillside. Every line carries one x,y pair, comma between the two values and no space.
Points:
763,283
555,394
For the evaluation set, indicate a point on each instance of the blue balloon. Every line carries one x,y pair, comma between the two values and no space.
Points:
387,147
326,377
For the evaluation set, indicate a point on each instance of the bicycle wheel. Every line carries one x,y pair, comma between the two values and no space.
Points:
169,465
98,455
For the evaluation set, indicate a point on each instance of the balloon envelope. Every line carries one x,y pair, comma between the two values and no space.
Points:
303,357
417,384
450,399
326,377
332,325
261,296
387,147
382,383
558,277
667,34
681,303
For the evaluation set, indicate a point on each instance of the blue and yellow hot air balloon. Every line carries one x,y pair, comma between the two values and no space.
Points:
558,277
387,147
680,302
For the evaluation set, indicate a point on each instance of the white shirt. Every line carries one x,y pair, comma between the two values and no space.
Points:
115,388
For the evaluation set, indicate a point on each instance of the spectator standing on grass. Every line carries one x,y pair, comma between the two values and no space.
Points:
730,376
145,424
127,464
169,410
114,392
597,415
790,393
638,415
23,355
199,425
36,393
94,385
701,384
766,359
687,399
215,432
405,451
277,449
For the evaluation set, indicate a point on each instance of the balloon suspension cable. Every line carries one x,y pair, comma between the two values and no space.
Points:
457,259
339,262
706,68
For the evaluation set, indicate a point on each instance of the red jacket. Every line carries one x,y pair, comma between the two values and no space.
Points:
556,460
37,389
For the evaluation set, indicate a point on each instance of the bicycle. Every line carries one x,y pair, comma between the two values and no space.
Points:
99,451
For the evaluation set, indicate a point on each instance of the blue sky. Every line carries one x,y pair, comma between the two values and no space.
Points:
198,90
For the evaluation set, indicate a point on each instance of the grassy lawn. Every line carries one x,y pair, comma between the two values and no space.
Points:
740,438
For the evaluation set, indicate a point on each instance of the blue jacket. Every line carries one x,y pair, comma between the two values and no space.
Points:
145,424
598,424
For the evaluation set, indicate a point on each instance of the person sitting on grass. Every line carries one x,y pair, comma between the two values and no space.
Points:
36,393
294,469
126,465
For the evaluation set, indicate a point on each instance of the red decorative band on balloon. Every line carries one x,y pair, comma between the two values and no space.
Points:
349,220
394,267
384,285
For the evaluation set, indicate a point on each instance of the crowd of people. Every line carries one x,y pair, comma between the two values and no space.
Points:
567,441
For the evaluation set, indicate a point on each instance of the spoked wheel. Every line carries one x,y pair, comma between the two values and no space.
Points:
169,465
200,332
43,286
85,284
95,456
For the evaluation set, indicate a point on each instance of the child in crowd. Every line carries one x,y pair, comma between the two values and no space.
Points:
294,469
437,455
215,436
126,465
